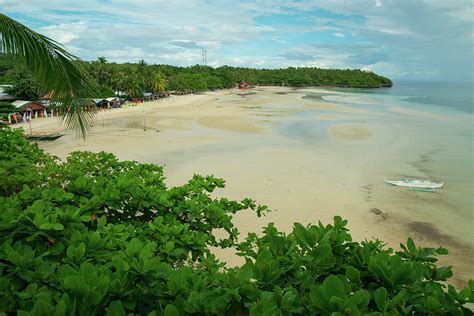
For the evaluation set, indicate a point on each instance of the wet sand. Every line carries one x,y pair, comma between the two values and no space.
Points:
350,132
253,141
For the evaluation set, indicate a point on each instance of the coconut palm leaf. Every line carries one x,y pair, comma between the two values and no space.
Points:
57,70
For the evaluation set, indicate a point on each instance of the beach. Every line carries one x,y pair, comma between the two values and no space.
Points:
307,158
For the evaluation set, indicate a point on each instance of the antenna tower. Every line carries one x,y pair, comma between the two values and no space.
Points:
204,57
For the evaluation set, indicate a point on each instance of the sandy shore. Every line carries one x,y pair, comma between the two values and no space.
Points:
307,166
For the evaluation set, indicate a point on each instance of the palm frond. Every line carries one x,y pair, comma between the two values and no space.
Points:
56,69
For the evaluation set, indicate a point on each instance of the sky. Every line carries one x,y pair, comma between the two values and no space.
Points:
401,39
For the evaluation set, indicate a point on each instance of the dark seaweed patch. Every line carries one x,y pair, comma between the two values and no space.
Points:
379,213
429,231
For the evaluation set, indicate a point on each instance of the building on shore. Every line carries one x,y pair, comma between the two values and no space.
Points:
33,106
243,85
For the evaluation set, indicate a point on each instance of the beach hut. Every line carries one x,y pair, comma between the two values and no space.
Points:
101,103
114,102
31,108
35,107
243,85
147,96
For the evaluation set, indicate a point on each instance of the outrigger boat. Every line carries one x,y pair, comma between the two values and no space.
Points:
416,184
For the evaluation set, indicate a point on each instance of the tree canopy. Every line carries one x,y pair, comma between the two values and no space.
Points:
136,78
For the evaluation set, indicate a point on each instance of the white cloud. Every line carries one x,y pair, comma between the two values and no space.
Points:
64,33
409,38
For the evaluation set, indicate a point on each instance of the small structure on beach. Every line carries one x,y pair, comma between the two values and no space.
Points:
33,106
107,103
101,103
115,102
29,109
243,85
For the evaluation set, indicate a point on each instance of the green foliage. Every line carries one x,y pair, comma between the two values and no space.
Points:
21,162
25,88
94,235
13,71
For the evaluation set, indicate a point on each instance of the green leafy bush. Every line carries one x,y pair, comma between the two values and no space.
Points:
94,235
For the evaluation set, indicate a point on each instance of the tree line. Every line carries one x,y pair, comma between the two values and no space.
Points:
136,78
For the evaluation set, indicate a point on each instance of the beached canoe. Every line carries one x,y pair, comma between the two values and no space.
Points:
416,184
45,137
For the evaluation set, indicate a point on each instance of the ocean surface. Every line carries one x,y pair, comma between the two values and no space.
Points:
453,95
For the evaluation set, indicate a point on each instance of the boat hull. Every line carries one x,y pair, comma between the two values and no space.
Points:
418,184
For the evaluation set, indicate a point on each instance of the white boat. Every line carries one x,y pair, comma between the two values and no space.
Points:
416,184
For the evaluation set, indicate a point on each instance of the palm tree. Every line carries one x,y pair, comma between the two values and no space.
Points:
56,69
160,82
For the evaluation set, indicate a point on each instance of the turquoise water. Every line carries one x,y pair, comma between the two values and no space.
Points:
453,95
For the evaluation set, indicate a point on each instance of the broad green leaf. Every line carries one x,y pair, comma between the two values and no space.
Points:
245,273
380,296
361,299
411,246
42,308
115,308
333,286
353,274
170,310
62,306
52,226
76,285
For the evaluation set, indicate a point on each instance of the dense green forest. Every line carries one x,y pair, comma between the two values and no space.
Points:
137,78
93,235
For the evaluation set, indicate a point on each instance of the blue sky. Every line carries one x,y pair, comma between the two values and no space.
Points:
402,39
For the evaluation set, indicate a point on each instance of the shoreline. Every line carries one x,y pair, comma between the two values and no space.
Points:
257,143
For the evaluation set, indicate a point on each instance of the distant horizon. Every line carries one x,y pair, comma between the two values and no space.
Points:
401,40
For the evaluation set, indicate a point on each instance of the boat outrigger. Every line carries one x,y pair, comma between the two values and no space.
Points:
416,184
